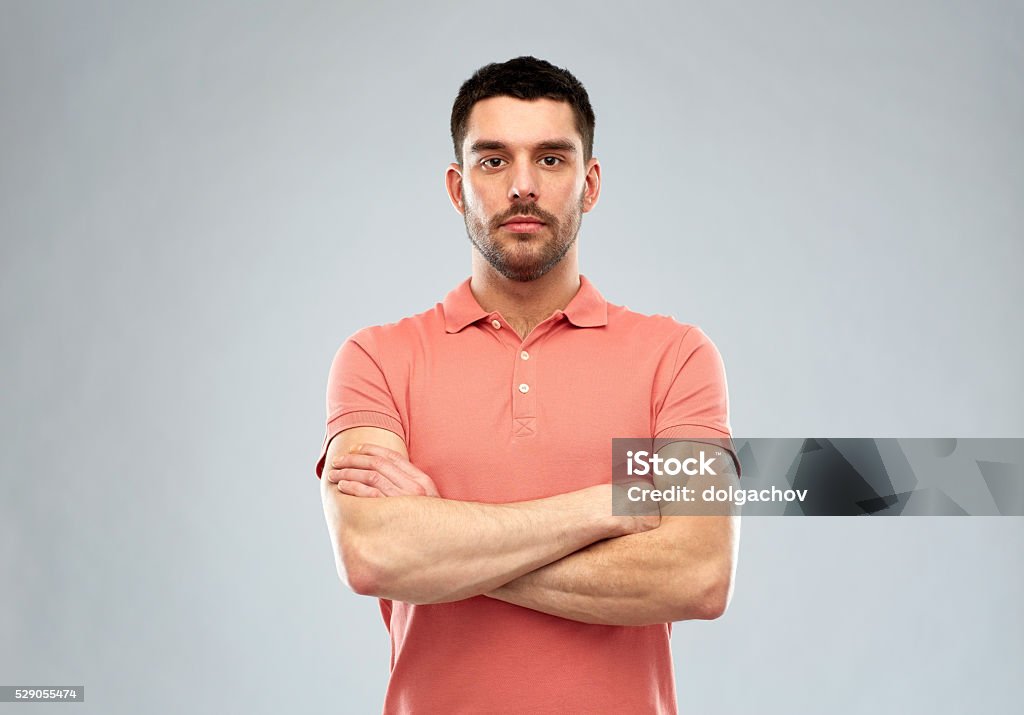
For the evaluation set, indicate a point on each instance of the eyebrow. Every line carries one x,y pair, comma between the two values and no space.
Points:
483,145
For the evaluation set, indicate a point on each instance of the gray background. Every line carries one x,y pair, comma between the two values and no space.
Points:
200,201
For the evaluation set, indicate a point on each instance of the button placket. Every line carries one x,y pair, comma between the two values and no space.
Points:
524,392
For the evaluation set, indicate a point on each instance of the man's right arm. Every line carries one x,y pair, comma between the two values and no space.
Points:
422,549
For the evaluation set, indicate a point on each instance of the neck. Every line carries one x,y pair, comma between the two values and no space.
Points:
525,304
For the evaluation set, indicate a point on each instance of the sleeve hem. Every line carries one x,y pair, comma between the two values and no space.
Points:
358,418
696,431
693,429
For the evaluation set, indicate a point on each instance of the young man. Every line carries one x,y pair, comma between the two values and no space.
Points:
467,458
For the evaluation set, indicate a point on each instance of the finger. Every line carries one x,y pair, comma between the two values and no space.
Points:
388,469
333,474
373,478
408,468
366,476
371,448
357,489
390,454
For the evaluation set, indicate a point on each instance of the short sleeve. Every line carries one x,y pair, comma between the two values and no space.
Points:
357,392
696,404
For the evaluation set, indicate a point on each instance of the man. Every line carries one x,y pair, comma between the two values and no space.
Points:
467,450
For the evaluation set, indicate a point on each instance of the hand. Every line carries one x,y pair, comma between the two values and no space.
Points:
634,517
370,470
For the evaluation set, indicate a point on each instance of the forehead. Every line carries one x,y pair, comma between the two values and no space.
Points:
521,121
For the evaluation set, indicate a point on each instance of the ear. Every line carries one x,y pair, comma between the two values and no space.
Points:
453,183
592,184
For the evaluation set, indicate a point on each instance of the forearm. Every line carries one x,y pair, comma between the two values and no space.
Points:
638,579
431,550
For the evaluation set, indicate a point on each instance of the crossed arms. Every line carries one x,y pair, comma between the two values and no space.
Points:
565,555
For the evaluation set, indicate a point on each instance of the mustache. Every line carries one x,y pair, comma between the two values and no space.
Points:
527,210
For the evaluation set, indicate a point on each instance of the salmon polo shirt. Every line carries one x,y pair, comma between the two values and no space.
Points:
495,418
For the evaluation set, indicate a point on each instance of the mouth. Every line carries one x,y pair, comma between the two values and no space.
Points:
523,224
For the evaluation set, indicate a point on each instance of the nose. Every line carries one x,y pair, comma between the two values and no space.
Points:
524,182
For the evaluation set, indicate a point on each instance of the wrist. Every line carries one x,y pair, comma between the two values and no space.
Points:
631,517
601,503
589,508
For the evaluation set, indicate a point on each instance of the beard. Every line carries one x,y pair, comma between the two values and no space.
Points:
524,256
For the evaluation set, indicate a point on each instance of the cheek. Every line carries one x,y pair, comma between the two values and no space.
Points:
471,202
480,205
474,214
476,191
569,195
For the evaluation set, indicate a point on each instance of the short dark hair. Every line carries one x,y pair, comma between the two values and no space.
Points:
523,78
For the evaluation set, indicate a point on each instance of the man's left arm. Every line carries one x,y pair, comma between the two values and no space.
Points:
682,570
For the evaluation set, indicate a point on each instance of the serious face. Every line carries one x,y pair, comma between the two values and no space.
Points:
523,185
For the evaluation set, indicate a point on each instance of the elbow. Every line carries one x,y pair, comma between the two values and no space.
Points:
362,581
367,578
357,568
371,562
714,603
714,598
358,557
707,602
370,570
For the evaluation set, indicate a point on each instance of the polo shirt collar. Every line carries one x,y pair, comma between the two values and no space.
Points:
587,309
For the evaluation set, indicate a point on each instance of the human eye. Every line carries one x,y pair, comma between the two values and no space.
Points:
551,160
493,162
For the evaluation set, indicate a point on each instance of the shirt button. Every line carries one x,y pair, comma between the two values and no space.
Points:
524,388
524,355
496,324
